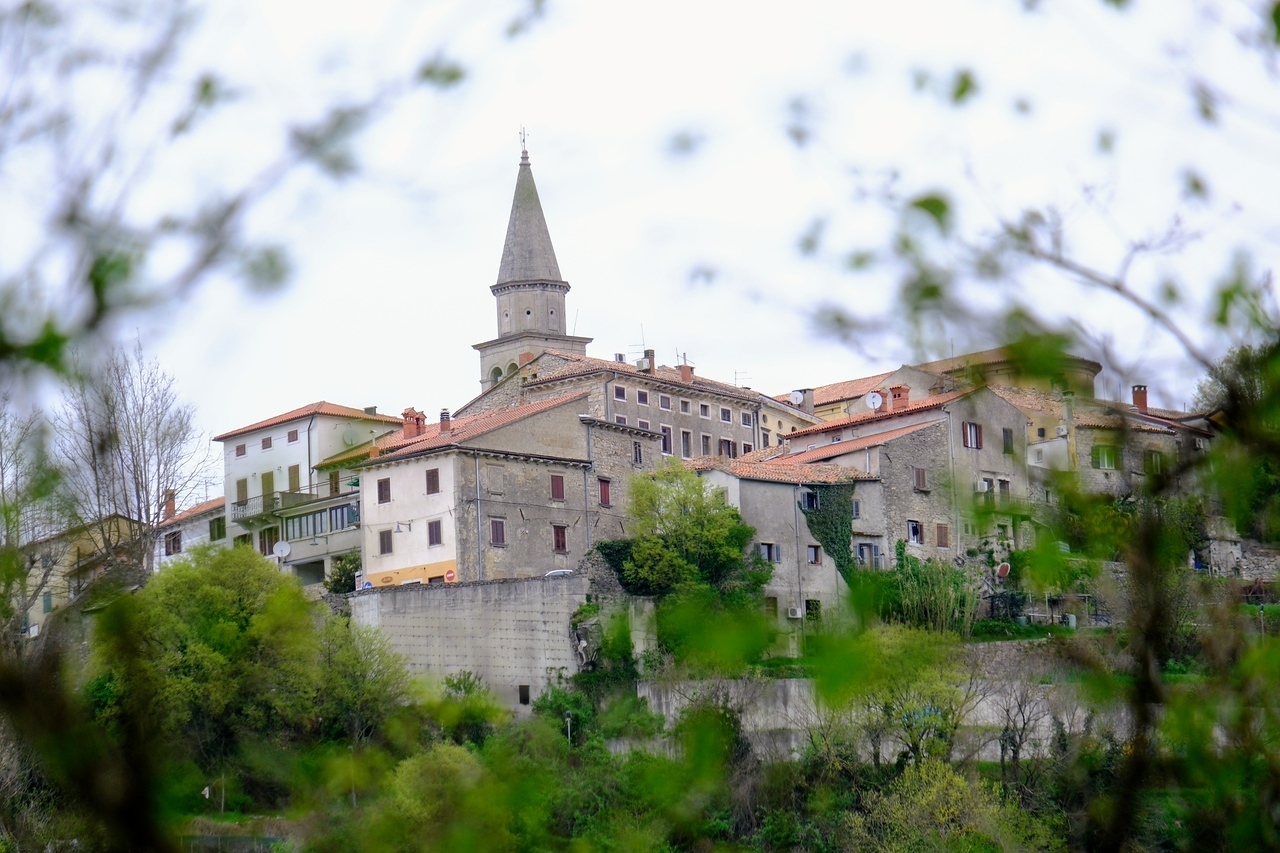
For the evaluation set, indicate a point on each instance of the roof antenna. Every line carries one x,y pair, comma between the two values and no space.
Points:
575,323
524,148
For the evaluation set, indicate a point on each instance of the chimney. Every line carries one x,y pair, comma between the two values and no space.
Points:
806,400
686,374
1140,398
901,395
170,504
371,410
886,401
652,361
446,425
414,422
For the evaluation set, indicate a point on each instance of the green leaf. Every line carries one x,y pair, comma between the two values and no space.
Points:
937,207
1275,22
441,72
266,267
963,86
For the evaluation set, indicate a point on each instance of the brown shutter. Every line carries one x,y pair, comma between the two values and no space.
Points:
979,436
964,433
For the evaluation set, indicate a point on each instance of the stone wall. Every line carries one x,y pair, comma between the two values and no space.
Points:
509,633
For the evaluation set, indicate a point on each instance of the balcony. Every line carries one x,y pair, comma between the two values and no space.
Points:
270,503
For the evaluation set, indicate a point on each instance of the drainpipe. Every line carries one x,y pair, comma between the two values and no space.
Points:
955,498
475,455
613,377
586,492
795,510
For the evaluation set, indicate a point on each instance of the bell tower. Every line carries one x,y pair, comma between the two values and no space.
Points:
529,291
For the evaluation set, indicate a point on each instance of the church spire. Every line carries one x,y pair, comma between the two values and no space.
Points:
527,254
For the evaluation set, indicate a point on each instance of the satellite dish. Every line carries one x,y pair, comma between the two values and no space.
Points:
874,400
797,397
281,549
350,436
1002,571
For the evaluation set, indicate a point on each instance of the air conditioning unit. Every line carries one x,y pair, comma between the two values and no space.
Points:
795,613
980,486
33,631
1061,432
1198,443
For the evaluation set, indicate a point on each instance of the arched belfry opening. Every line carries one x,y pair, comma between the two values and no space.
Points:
529,293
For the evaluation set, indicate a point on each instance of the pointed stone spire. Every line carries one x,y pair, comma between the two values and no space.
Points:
527,254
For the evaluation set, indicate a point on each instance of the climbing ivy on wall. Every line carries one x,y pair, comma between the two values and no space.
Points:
832,525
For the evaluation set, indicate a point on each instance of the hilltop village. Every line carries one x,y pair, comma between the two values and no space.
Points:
475,527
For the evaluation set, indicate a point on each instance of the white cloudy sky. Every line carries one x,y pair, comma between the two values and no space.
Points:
392,267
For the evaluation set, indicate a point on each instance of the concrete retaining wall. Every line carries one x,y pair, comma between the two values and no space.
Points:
510,633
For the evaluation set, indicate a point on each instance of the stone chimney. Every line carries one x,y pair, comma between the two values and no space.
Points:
806,400
415,422
1140,398
900,395
686,374
886,401
170,504
446,426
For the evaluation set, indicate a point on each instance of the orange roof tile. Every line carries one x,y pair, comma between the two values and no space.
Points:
1090,414
192,512
990,356
850,389
465,429
775,472
320,408
911,407
581,365
840,448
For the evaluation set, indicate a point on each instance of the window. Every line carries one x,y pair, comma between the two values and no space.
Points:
1039,455
173,543
771,607
728,448
384,490
494,479
1152,462
704,411
706,445
686,443
240,450
557,487
1004,490
1002,532
335,482
1040,432
921,479
746,447
814,554
266,443
619,420
810,500
267,539
988,491
726,415
604,493
944,536
764,438
48,602
384,541
524,694
242,491
435,532
295,478
244,539
642,397
971,434
685,407
293,436
302,526
915,533
637,453
857,508
664,402
268,480
642,424
559,538
1104,456
770,552
746,419
813,610
619,392
666,440
497,531
1008,440
342,517
217,529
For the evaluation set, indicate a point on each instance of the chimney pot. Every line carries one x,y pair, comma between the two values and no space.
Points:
170,504
446,424
686,374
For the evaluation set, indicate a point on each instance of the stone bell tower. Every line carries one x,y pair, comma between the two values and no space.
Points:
529,292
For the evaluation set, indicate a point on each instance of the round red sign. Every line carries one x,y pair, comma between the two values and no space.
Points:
450,576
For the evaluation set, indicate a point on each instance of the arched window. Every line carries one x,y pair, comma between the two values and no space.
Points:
512,368
495,375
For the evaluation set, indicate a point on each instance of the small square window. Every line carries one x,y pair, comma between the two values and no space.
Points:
557,487
384,541
1008,440
266,443
433,481
637,453
857,508
619,392
642,424
813,610
726,415
686,443
704,410
921,479
664,402
435,532
813,553
747,447
972,435
604,493
764,438
619,420
915,533
293,436
706,445
217,529
642,397
240,450
746,419
944,536
173,543
811,500
384,490
497,531
685,407
524,694
666,440
559,538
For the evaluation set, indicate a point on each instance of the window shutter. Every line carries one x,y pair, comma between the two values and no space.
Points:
922,481
1095,456
979,436
964,432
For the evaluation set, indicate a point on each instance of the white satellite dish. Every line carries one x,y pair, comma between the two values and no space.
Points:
350,437
874,400
281,549
797,397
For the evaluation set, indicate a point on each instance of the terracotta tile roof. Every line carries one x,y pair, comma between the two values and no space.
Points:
927,403
581,365
991,356
774,472
320,408
460,430
192,512
840,448
1089,414
850,389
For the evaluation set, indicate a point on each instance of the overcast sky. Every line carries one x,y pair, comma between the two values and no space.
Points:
675,196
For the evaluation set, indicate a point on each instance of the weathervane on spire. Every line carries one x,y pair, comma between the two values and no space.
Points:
524,150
